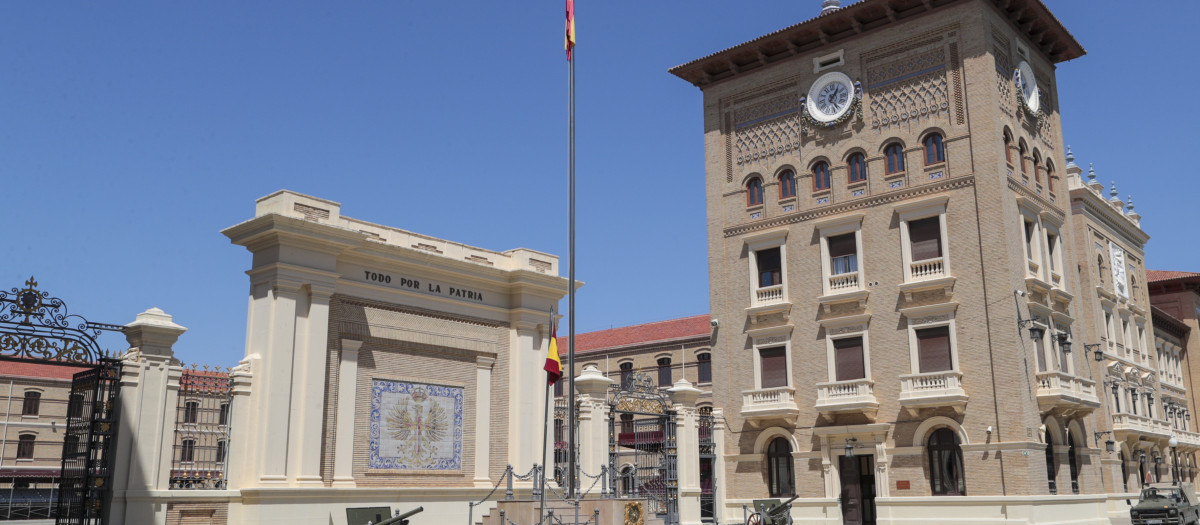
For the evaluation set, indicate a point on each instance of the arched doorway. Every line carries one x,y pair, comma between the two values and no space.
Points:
1051,466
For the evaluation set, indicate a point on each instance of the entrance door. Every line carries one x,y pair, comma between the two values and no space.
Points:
858,490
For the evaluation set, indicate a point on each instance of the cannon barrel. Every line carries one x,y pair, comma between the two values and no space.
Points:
398,519
779,508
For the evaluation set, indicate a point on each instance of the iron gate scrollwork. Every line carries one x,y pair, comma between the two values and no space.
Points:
37,327
642,459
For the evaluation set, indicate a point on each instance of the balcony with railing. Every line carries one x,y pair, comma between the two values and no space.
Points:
769,403
841,397
927,274
926,269
844,282
768,295
1125,424
933,390
1065,393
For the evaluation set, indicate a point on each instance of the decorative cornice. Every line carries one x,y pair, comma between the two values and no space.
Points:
1046,206
1104,213
803,216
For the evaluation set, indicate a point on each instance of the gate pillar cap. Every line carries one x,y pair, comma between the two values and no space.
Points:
683,393
153,331
592,382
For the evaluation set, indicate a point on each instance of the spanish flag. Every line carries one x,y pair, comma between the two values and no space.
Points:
569,44
553,365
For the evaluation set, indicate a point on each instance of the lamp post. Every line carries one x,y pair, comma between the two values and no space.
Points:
1174,461
850,446
1096,351
1036,331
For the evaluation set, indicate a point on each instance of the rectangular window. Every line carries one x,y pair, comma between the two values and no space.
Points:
1029,245
770,268
1108,327
925,238
843,256
25,447
773,366
187,451
664,371
1052,247
704,368
626,373
558,387
32,404
220,452
1040,347
933,349
848,358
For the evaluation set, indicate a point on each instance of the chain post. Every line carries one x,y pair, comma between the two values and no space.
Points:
470,513
537,480
508,492
604,481
596,516
577,510
502,519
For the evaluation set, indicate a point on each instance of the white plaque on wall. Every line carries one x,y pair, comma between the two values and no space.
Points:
1116,257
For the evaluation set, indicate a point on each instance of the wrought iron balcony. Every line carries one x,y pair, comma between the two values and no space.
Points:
769,403
841,397
1065,393
933,390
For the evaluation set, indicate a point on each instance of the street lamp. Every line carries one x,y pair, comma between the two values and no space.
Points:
1174,460
1064,341
1097,352
850,446
1036,331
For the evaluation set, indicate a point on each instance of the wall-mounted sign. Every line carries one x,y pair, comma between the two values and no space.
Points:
418,285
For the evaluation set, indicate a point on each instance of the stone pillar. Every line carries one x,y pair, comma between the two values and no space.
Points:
687,442
241,416
592,389
274,395
720,489
149,394
343,453
308,392
527,393
483,421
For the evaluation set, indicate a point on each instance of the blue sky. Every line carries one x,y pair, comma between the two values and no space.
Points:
131,133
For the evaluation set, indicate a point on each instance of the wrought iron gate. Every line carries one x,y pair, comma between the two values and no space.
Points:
642,446
37,327
708,458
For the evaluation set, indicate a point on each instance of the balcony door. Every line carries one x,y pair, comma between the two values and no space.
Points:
858,490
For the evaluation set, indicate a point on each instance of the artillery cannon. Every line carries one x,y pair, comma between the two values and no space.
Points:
401,519
771,512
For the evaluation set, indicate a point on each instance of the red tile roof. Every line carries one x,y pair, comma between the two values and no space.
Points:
39,370
1168,275
672,329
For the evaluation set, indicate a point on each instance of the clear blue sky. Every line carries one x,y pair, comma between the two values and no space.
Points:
131,133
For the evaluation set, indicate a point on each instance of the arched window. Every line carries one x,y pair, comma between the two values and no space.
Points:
187,450
1037,167
664,371
32,404
25,446
821,176
704,368
1073,462
895,158
191,411
857,165
1024,162
787,184
1051,467
945,464
1050,175
935,151
779,468
754,192
626,373
1008,147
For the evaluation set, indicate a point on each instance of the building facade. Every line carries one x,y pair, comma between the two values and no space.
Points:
888,233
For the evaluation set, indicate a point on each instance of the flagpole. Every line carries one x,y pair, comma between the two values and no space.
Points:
545,432
571,291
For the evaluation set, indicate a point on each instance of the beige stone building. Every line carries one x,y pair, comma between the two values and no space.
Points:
889,235
36,402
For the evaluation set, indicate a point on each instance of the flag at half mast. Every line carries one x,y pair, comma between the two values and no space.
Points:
569,43
553,364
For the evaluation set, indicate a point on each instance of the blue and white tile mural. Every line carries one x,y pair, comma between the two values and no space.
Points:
415,426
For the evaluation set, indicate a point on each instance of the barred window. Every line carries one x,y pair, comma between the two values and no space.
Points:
187,450
223,415
191,411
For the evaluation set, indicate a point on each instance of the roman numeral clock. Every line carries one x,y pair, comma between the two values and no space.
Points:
832,100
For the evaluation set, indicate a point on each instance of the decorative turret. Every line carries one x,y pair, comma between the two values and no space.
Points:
1070,158
1074,172
1092,183
1133,215
829,6
1115,199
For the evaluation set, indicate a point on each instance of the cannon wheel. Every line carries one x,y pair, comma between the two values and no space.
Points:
754,519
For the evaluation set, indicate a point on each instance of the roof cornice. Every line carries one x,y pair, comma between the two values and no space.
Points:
1103,211
1031,17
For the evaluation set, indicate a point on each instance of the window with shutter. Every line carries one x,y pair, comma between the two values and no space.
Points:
933,349
773,362
770,269
843,256
848,359
925,238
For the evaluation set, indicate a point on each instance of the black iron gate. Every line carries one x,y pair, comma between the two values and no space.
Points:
642,446
37,327
708,458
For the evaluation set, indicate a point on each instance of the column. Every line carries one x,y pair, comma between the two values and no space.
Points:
308,388
483,420
343,452
687,441
527,383
274,411
149,390
720,494
592,388
241,419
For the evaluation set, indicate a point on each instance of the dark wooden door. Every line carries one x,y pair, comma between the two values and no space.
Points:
851,491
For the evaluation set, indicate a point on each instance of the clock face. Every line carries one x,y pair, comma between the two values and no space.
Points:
1028,85
830,97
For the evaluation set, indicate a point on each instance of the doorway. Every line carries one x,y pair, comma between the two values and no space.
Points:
858,490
